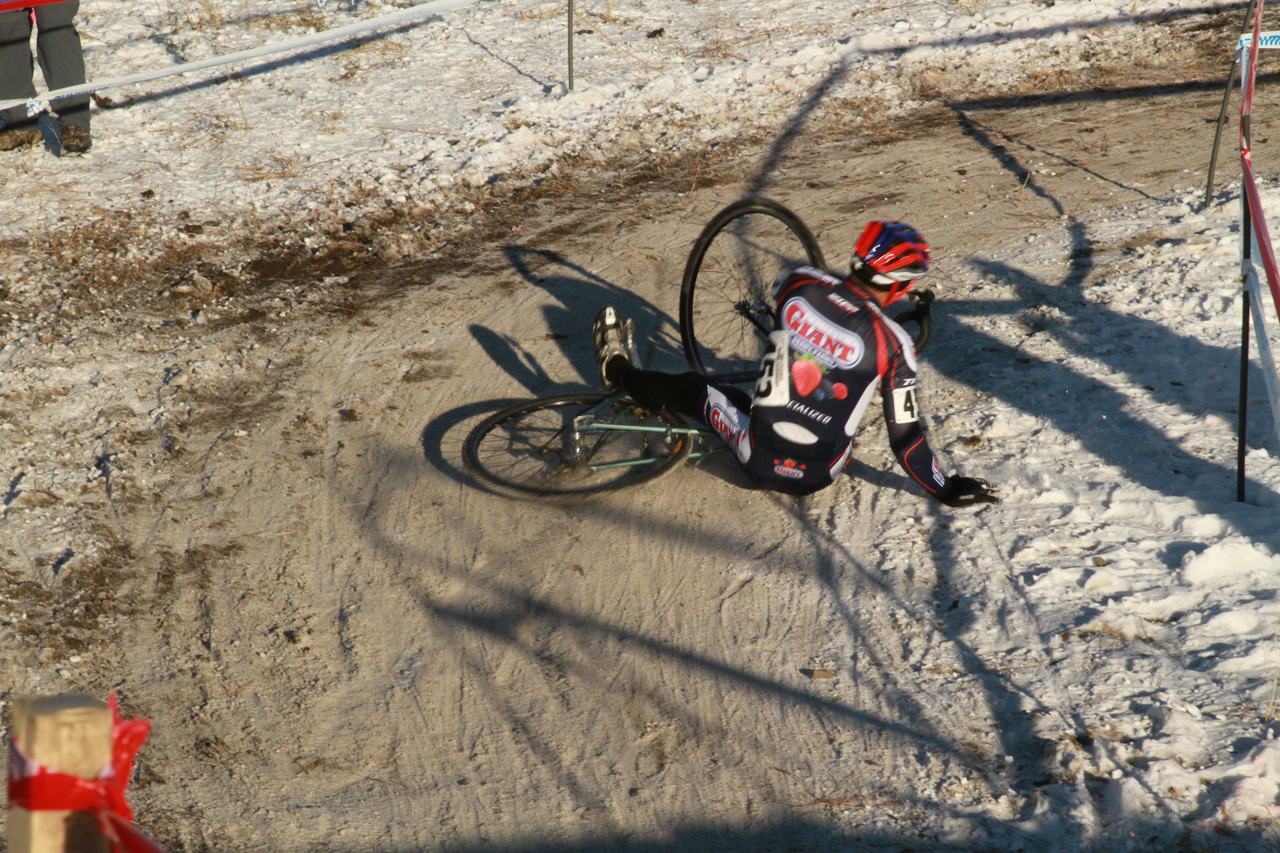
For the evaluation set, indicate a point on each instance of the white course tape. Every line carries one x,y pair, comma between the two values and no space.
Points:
422,10
1264,346
1266,41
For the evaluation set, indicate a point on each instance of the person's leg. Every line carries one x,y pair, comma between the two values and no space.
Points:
724,408
15,63
678,393
62,59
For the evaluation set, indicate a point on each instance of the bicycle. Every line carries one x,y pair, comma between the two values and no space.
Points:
577,444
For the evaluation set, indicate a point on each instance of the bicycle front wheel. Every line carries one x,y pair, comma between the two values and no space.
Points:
726,310
573,444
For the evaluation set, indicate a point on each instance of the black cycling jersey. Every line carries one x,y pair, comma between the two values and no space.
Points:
831,350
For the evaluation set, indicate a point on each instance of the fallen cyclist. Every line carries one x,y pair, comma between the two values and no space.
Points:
831,349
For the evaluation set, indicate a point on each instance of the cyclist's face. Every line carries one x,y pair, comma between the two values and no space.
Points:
880,297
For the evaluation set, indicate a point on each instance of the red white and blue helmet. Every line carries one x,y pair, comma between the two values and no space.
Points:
890,256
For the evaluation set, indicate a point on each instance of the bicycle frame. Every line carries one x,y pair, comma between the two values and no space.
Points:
585,424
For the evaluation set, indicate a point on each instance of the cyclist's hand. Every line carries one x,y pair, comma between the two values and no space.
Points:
967,491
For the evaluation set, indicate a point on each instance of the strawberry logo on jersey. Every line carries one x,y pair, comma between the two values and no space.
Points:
789,468
808,377
814,335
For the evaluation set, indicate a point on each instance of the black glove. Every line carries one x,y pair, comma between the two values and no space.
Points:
966,491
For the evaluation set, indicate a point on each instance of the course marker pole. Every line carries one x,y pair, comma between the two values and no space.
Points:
1222,111
1255,239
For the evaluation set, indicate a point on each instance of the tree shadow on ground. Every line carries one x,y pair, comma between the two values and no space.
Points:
839,833
580,293
1099,416
794,127
487,51
859,594
471,610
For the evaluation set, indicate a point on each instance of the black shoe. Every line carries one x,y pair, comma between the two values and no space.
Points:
612,338
20,136
76,139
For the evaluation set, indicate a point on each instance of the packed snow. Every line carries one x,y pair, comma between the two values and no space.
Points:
1119,585
1153,594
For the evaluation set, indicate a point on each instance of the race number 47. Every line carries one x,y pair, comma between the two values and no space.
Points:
905,410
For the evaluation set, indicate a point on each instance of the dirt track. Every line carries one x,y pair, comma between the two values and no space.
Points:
343,645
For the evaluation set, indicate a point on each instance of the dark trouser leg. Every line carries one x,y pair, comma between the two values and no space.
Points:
62,58
15,63
678,393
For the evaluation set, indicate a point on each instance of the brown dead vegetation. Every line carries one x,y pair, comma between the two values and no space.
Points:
104,269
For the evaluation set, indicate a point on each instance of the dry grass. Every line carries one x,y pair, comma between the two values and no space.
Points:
125,263
331,120
724,40
370,54
278,167
213,128
938,84
835,798
542,13
99,253
307,17
201,16
198,16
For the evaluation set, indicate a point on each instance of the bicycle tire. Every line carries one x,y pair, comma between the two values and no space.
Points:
520,449
726,313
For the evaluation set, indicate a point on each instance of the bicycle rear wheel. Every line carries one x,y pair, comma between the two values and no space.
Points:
726,310
546,447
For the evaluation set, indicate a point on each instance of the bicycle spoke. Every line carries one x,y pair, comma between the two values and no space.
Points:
532,447
738,269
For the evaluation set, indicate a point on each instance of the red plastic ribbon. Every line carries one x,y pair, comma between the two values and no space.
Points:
37,788
14,5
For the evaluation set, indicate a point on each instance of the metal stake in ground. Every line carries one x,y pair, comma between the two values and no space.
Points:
570,45
1222,110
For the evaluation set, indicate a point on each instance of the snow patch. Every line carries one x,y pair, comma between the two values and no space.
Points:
1226,563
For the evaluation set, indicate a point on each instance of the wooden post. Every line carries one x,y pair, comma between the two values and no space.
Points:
70,734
